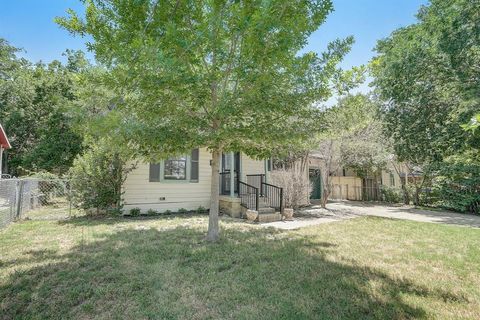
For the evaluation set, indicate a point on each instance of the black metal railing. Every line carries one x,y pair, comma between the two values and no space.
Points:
256,180
273,196
249,195
225,183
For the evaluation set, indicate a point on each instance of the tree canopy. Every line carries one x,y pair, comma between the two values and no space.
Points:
226,75
34,99
428,75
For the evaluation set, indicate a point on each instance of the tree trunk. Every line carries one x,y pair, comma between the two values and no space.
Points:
213,229
406,196
325,195
416,199
325,187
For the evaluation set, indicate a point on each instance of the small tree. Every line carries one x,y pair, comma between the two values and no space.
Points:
353,138
329,154
226,75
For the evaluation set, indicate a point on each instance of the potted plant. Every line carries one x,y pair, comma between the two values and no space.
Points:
288,214
252,215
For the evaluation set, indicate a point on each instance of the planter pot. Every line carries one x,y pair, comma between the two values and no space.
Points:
288,214
252,215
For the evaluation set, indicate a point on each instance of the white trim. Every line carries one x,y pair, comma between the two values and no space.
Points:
188,172
1,158
232,174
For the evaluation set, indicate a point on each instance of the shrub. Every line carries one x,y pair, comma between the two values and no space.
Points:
182,210
391,195
167,212
296,185
457,182
97,177
201,210
134,212
152,212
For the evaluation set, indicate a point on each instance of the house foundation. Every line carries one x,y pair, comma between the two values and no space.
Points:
231,206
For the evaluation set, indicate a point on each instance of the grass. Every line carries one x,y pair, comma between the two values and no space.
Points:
160,268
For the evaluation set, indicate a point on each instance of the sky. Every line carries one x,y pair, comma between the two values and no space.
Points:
29,24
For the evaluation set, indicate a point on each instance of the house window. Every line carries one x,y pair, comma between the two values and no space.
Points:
392,180
180,168
175,168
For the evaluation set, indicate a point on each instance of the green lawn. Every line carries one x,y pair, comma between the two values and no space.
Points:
162,269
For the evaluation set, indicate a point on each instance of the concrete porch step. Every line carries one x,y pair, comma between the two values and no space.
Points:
262,202
266,210
269,217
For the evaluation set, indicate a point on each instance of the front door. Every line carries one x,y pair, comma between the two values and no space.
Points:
226,170
226,162
316,181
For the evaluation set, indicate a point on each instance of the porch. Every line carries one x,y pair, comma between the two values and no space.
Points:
242,190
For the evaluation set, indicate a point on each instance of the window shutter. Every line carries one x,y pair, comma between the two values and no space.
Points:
154,172
194,165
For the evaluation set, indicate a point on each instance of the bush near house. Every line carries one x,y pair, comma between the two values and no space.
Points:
97,177
391,194
296,186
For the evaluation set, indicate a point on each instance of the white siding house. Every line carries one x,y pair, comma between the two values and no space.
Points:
161,188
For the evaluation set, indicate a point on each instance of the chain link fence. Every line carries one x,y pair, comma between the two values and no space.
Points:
34,199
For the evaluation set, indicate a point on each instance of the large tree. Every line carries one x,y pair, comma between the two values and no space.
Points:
428,76
226,75
34,103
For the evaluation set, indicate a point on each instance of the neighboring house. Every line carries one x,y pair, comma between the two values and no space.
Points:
4,144
347,185
183,182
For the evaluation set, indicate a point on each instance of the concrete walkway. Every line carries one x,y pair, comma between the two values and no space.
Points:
341,210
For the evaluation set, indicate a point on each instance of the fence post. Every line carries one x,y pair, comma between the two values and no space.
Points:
281,201
18,191
70,198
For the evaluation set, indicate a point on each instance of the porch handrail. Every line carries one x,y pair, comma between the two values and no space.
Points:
273,196
249,196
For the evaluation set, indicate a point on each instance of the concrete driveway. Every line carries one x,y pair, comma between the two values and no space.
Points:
340,210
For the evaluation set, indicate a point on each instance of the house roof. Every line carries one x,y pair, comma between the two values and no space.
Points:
3,139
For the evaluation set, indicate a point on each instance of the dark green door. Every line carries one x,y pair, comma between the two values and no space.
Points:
316,181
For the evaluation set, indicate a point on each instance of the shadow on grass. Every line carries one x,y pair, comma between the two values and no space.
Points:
109,220
137,274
